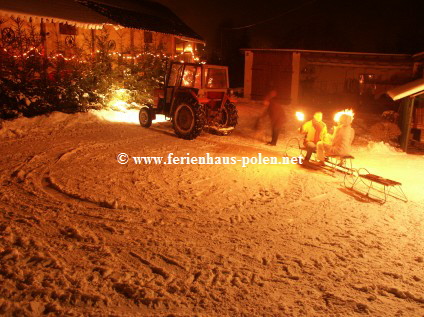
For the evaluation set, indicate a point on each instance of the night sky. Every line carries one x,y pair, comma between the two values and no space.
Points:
340,25
363,26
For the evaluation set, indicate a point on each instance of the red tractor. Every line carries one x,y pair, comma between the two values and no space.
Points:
193,97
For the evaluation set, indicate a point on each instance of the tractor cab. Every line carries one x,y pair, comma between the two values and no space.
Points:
194,96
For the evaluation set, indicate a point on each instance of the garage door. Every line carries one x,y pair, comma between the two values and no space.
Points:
271,70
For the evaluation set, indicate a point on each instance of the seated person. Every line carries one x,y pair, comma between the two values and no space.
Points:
341,141
315,131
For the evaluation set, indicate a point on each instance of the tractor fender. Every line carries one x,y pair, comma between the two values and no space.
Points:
151,110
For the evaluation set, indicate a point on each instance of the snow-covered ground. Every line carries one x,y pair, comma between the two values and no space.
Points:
81,235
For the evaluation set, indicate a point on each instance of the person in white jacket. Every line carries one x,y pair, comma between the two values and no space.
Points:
341,141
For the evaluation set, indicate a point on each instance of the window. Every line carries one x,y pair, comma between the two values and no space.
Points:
366,78
148,37
191,77
367,84
175,71
67,29
216,78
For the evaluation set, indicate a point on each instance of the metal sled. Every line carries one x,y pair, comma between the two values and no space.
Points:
295,148
376,187
341,163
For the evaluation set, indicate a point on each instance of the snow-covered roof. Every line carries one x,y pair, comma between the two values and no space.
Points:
319,51
143,14
412,88
64,11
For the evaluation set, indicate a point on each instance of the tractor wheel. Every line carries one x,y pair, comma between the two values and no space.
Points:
227,119
188,119
145,117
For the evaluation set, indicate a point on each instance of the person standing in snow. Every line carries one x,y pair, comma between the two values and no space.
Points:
276,115
340,142
315,130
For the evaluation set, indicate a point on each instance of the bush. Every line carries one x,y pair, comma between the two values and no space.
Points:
31,85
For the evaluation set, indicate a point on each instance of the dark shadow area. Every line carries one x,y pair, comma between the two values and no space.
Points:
359,196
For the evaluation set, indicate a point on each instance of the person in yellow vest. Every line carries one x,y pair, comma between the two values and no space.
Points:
315,130
340,142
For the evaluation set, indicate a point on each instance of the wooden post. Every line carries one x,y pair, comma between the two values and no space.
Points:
93,41
295,78
408,110
132,48
248,65
172,46
43,36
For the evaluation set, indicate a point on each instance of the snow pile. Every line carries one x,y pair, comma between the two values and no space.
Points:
55,121
382,148
42,124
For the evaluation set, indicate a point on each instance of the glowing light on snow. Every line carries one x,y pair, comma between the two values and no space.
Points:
119,99
160,118
119,105
127,116
348,112
386,161
300,116
119,109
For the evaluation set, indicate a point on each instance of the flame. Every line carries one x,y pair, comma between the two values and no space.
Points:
300,116
348,112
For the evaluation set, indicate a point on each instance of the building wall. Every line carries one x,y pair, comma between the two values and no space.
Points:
312,77
321,82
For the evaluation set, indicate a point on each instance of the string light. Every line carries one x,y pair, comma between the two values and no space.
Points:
33,50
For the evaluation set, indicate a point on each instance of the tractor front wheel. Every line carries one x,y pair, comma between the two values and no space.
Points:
188,119
145,117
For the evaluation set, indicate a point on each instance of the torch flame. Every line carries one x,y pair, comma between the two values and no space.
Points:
348,112
300,116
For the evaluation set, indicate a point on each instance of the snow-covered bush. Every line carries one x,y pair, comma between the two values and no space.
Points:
31,84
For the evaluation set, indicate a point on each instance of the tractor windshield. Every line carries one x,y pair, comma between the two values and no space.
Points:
216,78
191,77
175,73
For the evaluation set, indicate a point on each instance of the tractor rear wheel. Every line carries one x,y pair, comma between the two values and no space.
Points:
145,117
188,119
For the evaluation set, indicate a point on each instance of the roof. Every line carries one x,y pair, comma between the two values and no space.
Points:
143,14
65,11
412,88
418,57
325,52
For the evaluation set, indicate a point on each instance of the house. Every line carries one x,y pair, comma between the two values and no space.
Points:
411,97
327,77
68,28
